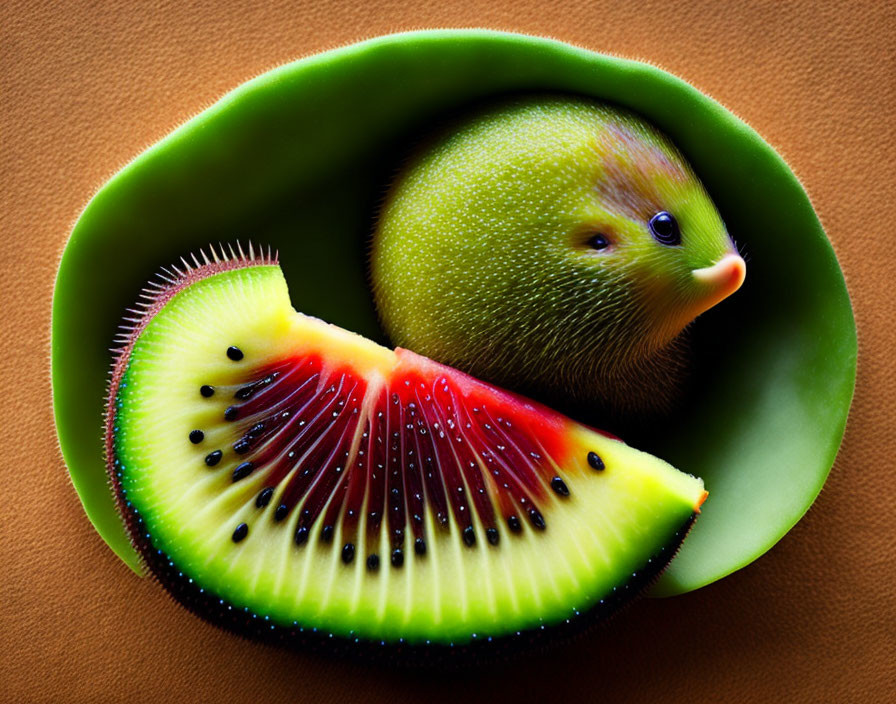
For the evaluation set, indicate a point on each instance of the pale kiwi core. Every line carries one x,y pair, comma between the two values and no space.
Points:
518,246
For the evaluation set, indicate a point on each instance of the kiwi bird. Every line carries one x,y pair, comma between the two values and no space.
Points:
555,246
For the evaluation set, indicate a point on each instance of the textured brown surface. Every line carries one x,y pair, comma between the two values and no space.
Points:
84,87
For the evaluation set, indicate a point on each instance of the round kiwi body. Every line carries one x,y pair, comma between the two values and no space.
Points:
289,479
553,245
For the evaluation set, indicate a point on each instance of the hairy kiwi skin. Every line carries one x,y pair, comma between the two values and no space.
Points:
480,257
484,651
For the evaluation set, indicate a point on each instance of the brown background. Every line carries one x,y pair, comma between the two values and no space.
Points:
86,86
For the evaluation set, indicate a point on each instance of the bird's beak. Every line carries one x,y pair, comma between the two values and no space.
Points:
710,285
720,280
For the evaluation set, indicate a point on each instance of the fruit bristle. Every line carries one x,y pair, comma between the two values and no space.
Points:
176,277
155,295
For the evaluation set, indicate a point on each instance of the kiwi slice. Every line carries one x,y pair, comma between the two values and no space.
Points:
291,480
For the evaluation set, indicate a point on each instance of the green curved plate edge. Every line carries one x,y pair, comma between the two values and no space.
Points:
93,490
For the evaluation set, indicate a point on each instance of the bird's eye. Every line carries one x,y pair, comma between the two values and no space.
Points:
664,228
598,241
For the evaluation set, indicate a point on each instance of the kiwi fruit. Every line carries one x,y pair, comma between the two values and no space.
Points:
295,482
555,245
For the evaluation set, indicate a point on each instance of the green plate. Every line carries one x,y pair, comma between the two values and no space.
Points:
298,158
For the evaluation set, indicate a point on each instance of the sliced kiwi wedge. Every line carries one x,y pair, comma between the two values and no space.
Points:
291,480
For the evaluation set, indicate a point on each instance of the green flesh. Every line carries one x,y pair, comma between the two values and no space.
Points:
596,538
298,158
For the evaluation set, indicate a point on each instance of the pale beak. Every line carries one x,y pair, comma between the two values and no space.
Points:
721,279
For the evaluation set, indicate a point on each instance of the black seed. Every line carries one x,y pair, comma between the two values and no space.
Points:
301,535
242,530
420,546
242,471
207,391
264,498
196,436
536,519
469,536
326,534
492,536
373,562
397,557
256,429
559,486
514,524
281,512
241,447
348,553
231,413
235,353
595,461
212,458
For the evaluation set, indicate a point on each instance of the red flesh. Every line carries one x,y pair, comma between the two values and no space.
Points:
429,439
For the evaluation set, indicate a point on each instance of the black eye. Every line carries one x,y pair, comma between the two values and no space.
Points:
598,242
664,229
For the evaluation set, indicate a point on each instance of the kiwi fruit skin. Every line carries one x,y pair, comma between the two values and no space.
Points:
480,652
482,255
